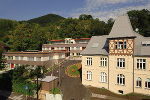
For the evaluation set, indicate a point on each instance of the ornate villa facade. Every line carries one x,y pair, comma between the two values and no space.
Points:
119,62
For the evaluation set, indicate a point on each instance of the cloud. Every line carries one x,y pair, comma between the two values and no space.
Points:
105,9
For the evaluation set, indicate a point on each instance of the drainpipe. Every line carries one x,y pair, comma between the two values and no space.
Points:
133,73
108,72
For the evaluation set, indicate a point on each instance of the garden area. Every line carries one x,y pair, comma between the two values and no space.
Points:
55,91
74,70
17,79
131,96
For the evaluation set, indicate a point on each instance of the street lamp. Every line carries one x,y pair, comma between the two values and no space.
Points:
41,71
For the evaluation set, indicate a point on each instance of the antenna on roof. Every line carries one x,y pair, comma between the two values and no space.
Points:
137,30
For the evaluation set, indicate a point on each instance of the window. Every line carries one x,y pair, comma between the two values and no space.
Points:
43,48
50,57
78,54
78,48
38,58
21,58
16,58
147,83
120,79
116,45
60,56
88,61
73,54
72,48
121,62
30,58
46,48
138,82
8,65
10,57
141,63
120,45
120,91
89,75
103,61
125,45
62,48
16,65
103,77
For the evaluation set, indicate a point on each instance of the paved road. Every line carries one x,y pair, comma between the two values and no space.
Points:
72,88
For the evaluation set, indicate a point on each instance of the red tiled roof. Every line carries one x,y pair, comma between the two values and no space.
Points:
56,40
83,39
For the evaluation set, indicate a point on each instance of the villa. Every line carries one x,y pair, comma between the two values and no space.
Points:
119,62
72,47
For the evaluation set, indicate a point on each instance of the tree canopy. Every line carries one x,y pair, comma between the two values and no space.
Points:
31,34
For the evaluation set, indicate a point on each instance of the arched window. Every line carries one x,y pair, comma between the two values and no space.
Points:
138,82
120,79
103,77
147,83
89,75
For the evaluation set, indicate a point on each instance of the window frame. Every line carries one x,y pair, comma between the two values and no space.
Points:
120,45
147,83
89,61
139,82
22,58
38,58
88,75
103,77
141,64
16,57
120,79
103,61
121,62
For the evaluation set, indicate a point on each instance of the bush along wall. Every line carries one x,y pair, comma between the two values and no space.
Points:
19,87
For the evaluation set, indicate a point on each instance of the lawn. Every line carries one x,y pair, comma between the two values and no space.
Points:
131,96
74,70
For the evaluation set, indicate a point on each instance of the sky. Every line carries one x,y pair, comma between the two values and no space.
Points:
102,9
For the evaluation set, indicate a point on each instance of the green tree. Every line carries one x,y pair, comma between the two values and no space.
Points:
2,59
140,19
85,17
27,37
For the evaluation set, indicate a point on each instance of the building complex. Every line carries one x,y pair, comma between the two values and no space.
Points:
119,62
72,47
51,53
33,58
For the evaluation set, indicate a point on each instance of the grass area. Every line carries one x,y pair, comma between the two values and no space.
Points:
93,98
131,96
73,70
55,91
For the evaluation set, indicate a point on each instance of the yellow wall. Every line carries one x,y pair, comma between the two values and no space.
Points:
96,69
114,71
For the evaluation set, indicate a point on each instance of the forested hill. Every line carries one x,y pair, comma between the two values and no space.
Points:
31,34
46,19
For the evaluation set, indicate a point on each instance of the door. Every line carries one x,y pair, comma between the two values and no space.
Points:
12,66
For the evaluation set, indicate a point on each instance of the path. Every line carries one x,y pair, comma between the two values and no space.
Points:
106,97
72,88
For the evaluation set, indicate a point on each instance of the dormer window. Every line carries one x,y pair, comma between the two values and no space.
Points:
120,45
125,45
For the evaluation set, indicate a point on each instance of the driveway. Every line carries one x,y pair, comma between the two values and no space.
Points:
72,88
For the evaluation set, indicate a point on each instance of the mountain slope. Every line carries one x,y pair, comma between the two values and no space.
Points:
46,19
